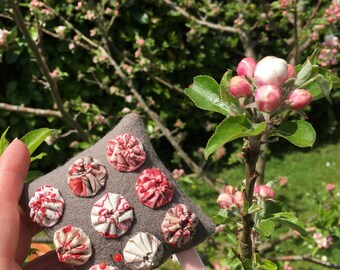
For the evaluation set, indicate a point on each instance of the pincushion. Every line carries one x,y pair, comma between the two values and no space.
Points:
115,205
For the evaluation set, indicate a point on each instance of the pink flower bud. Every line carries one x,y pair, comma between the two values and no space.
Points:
266,192
246,67
271,71
299,98
267,98
225,200
239,87
239,199
230,189
330,186
291,71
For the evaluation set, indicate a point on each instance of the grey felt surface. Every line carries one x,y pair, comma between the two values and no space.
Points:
77,209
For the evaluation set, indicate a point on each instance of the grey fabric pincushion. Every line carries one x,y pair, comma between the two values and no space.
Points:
138,220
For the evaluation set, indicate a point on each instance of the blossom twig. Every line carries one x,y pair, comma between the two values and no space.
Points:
35,111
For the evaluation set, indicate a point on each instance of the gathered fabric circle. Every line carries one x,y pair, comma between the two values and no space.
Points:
125,153
142,251
103,266
179,225
46,206
72,244
86,177
112,215
153,188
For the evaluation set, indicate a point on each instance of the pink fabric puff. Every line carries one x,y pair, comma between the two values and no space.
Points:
179,225
46,206
153,188
125,153
112,215
73,246
86,177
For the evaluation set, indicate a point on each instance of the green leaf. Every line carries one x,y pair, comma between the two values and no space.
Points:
267,265
325,85
271,207
304,73
35,137
40,156
247,264
230,129
265,228
205,93
289,220
32,175
298,132
3,141
314,56
224,88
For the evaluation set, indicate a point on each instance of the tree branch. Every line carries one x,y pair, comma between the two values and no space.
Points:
41,62
153,115
22,109
306,258
244,36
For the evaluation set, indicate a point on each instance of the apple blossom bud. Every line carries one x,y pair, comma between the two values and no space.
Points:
267,98
239,87
246,67
299,98
230,189
225,200
239,199
330,186
291,71
266,192
271,71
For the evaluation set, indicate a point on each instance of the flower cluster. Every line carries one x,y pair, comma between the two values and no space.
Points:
38,5
323,242
332,13
3,37
231,198
329,51
263,83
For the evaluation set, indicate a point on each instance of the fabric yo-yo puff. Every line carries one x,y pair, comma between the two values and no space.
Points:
46,206
142,251
179,225
103,266
111,215
153,188
73,246
86,177
125,153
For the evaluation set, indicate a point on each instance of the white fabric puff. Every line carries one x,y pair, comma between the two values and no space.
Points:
111,215
142,251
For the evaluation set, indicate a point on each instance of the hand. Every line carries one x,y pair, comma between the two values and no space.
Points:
16,227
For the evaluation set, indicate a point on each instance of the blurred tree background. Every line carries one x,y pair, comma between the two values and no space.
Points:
103,59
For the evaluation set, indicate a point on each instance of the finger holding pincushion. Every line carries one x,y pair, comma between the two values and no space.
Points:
124,200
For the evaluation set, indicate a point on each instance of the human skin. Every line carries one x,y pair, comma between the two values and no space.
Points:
16,227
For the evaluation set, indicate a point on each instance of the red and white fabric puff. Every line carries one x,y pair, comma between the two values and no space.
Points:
46,206
72,244
179,225
112,215
153,188
86,177
125,153
142,251
103,266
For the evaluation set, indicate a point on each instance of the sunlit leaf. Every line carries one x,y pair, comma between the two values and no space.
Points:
3,141
289,220
231,129
35,137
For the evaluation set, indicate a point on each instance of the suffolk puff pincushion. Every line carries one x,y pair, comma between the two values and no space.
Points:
115,206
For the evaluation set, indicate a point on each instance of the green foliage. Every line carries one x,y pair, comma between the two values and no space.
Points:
298,132
230,129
